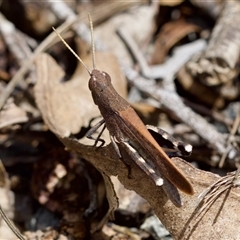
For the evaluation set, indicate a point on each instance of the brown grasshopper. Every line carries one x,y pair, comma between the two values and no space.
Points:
127,131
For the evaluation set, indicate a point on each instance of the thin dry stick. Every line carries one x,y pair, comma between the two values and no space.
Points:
170,67
44,45
232,133
11,225
210,200
98,15
212,193
209,203
15,40
63,12
20,73
173,102
168,98
212,189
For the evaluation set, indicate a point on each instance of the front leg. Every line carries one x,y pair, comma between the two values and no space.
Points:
165,139
91,131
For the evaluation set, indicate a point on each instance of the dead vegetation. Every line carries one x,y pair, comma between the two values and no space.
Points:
178,66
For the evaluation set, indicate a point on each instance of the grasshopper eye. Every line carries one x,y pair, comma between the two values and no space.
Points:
107,77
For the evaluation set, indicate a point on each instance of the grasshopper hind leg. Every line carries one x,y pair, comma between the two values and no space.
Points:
116,148
171,145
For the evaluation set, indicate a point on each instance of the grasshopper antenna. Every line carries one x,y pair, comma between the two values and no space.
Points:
92,41
71,50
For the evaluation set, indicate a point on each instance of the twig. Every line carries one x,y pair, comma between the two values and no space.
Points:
63,12
20,73
167,95
11,225
97,15
173,102
213,192
207,112
232,133
16,43
171,66
219,63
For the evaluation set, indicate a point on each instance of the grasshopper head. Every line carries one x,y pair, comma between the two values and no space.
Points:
98,82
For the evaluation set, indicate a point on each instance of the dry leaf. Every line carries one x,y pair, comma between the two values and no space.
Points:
12,114
78,108
218,223
171,34
180,222
68,106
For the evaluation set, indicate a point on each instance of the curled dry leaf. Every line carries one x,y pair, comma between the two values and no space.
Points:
182,223
12,114
218,223
68,106
171,34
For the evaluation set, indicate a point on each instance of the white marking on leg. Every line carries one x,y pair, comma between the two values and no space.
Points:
151,170
159,182
143,164
141,160
165,136
188,148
